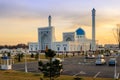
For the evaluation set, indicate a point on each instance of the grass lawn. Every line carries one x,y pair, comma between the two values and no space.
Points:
42,56
16,75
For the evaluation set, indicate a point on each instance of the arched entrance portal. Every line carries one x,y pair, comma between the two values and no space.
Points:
45,41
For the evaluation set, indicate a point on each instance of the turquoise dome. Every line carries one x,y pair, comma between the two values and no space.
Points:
80,31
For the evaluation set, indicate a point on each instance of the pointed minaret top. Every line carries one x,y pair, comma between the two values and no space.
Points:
93,8
93,12
49,20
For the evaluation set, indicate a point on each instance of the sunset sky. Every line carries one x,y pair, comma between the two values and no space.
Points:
20,19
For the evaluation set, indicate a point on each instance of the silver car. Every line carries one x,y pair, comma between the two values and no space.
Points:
100,56
100,61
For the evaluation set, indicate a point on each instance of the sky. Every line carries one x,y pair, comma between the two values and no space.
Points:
20,19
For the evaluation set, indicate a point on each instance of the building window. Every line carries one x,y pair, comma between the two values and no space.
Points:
64,48
42,47
68,39
58,48
31,49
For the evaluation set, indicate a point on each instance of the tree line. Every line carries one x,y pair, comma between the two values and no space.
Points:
14,46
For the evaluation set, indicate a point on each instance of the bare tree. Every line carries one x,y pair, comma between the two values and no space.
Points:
117,34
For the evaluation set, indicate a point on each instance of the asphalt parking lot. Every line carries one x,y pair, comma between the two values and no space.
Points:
78,66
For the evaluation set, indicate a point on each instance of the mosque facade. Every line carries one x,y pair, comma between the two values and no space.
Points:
75,41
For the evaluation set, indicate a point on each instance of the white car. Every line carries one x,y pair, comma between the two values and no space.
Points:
100,56
53,59
90,56
100,61
93,56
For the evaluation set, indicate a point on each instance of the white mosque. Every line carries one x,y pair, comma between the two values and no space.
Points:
72,41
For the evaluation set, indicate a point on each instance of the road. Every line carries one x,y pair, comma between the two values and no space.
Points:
75,66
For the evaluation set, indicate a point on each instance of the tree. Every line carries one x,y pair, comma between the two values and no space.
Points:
37,56
32,55
117,34
19,57
52,68
14,46
9,54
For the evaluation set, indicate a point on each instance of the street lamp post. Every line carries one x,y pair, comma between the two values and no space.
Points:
85,53
63,55
39,55
64,52
25,62
58,52
39,51
116,75
115,72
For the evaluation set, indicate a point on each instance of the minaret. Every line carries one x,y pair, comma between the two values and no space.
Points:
93,30
49,21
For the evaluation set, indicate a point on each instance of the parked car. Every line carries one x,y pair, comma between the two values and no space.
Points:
93,56
90,56
59,59
106,54
100,56
87,56
100,61
112,61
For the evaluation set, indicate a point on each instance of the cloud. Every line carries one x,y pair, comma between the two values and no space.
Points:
17,9
36,9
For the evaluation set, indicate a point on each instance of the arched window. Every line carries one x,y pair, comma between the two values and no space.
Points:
64,48
58,48
68,39
31,49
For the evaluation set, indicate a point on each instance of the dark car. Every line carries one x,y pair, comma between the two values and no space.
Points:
112,61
